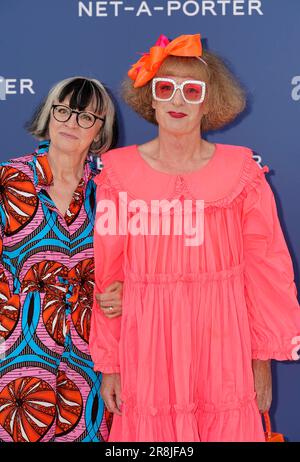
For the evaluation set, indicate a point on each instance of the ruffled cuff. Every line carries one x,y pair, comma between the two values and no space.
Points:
285,350
105,369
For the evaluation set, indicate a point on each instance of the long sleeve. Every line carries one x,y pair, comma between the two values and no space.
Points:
270,291
108,249
2,224
3,281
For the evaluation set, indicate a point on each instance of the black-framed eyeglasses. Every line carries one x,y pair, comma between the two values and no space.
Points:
84,119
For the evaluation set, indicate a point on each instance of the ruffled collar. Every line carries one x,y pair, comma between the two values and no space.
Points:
217,183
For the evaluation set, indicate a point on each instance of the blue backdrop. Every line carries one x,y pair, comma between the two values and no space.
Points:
42,42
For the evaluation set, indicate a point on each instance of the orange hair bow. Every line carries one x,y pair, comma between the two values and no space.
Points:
147,66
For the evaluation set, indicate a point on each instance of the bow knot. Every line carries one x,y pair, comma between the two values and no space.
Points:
147,66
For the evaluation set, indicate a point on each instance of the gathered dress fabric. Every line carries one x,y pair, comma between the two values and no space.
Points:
194,316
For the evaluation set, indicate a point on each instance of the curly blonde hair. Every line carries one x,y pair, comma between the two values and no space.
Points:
225,96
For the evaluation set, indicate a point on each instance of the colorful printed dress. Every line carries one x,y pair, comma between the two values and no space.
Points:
48,388
194,317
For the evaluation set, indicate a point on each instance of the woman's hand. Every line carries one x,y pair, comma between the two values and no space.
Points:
111,392
110,302
262,383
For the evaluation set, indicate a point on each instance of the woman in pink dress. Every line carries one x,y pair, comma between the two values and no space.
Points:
192,229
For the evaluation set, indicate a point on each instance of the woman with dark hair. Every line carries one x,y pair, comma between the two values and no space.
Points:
192,229
48,388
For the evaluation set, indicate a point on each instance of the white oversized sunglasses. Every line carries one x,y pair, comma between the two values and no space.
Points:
192,91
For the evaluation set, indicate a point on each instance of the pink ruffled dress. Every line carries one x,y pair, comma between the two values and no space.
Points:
193,317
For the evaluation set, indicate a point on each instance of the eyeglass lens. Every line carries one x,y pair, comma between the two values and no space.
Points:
191,91
63,113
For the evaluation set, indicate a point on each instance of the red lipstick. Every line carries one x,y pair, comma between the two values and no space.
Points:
177,115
